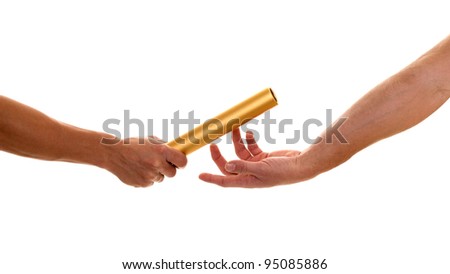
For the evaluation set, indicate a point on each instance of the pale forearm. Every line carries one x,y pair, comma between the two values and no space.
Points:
28,132
395,105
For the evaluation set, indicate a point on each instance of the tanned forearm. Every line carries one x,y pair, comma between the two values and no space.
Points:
138,162
27,132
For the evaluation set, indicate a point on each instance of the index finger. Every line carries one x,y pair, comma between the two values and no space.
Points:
241,180
175,157
218,158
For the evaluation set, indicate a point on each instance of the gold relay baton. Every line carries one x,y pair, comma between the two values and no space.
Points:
225,122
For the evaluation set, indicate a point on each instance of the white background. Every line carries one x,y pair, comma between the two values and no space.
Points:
81,62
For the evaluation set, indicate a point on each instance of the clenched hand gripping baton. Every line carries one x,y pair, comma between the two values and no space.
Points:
225,122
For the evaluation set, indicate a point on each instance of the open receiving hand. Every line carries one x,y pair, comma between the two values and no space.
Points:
256,168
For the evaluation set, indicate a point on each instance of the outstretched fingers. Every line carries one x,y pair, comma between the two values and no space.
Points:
218,158
252,145
241,180
239,147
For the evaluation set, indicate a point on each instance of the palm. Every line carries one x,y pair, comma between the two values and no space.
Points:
251,152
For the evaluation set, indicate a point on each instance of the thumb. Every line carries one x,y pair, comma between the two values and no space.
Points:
242,167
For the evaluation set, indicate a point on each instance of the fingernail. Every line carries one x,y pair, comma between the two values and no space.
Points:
230,167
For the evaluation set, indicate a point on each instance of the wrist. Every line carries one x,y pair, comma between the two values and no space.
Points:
321,157
108,149
304,169
89,148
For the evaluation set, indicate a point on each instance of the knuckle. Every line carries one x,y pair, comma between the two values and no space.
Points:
160,149
154,162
